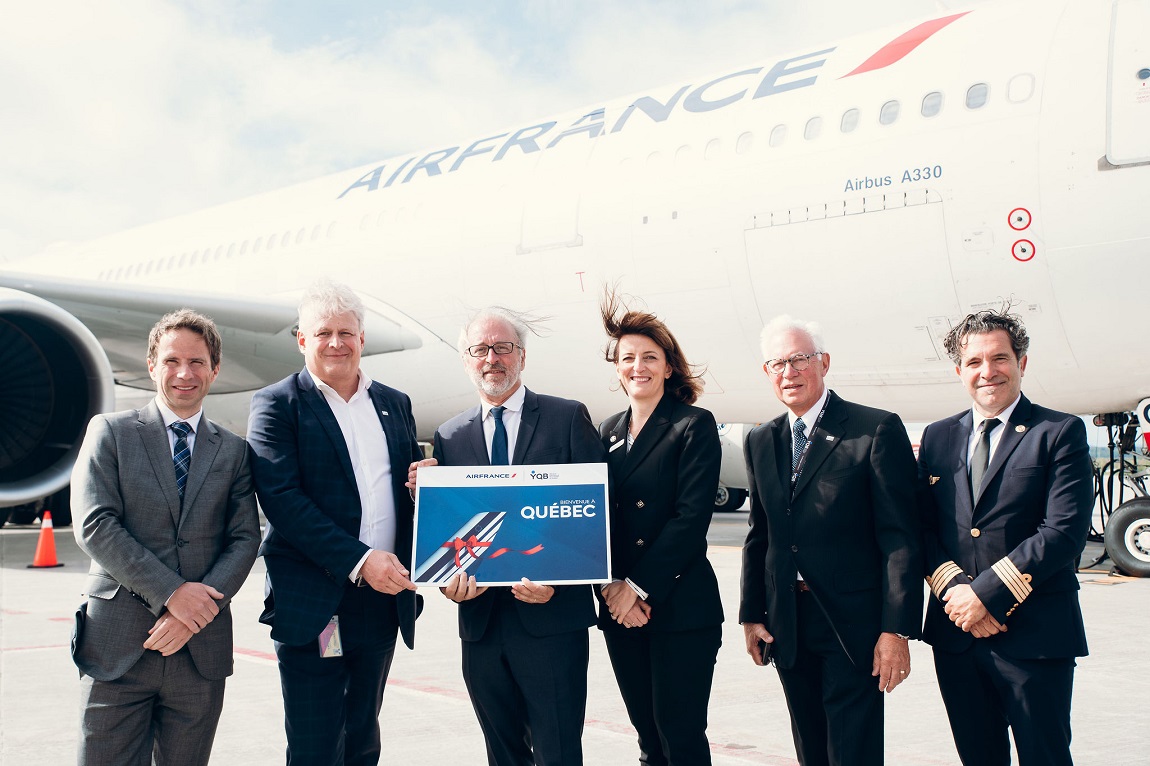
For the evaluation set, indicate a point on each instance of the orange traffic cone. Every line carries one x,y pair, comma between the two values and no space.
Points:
45,557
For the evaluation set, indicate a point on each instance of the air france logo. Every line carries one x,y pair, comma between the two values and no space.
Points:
491,475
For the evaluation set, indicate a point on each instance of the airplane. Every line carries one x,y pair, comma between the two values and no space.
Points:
884,185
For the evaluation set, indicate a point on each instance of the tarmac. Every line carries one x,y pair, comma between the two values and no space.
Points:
427,718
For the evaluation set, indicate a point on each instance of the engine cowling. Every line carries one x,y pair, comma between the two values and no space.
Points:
54,377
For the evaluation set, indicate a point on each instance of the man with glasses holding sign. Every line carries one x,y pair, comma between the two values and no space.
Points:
525,648
831,584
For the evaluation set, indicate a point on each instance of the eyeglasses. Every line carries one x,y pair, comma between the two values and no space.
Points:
502,348
798,363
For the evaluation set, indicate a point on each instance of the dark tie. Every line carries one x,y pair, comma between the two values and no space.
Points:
181,455
981,458
499,440
800,443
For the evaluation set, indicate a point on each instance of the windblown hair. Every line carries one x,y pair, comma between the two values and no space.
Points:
186,319
686,382
982,322
784,323
325,299
522,323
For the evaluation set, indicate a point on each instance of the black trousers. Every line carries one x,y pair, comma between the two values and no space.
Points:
665,679
836,708
529,692
332,704
986,693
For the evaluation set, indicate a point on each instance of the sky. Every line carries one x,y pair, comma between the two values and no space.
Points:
124,112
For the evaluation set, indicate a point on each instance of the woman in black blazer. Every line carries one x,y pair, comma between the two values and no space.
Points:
661,616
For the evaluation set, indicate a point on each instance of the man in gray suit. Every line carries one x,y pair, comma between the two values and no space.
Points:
164,505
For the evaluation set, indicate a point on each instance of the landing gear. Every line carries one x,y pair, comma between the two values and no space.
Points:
1128,537
1122,508
728,499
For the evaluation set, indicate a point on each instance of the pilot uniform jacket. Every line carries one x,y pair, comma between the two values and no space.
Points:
308,492
851,528
143,547
1017,544
663,492
551,430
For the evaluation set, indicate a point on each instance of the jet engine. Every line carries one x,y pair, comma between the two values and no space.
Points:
54,377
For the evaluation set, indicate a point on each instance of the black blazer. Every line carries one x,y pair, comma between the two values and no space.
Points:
307,489
1031,518
551,430
851,528
663,495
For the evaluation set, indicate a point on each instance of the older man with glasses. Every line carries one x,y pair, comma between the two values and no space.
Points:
832,588
525,648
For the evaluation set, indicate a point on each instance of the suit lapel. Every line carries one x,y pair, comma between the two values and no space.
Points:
476,438
203,455
397,446
528,420
616,443
313,399
781,441
959,440
652,433
824,440
156,446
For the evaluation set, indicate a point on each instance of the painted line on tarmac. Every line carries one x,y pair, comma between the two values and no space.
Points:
40,648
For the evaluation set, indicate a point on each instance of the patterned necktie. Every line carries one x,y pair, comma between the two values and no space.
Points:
499,440
981,458
800,443
181,455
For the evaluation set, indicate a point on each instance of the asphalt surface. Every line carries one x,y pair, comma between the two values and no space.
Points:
427,717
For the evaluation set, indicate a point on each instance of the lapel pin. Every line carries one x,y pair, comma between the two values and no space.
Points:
614,437
383,412
616,446
830,438
934,480
1020,429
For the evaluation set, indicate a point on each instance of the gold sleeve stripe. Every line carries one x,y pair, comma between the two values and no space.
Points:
1017,582
942,576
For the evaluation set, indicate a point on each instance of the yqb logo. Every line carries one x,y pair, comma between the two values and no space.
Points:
541,476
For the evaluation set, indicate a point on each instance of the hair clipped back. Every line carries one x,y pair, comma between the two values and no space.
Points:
186,319
685,384
982,322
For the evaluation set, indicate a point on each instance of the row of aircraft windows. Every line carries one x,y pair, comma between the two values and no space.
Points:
219,253
1018,90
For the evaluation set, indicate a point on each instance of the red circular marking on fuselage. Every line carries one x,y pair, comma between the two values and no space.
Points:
1020,246
1024,219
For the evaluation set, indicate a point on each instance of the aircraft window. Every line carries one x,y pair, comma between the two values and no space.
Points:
257,245
331,230
195,257
682,154
219,252
364,222
813,128
931,104
888,113
745,143
232,250
148,267
244,248
778,135
119,272
285,240
1020,88
712,149
172,262
183,258
654,158
315,232
299,237
977,95
850,120
272,242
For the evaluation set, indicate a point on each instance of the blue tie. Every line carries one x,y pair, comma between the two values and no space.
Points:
800,443
181,455
499,440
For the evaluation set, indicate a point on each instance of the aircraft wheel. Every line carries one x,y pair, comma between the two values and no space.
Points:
728,499
1128,537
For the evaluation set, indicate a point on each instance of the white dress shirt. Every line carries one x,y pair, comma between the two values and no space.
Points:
371,463
171,417
995,435
512,417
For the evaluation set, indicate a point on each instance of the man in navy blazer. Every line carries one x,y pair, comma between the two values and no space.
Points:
330,452
1007,497
525,648
831,566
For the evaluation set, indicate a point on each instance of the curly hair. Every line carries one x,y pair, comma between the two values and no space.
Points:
686,382
982,322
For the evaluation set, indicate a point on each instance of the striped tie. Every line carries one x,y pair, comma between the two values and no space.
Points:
181,455
800,443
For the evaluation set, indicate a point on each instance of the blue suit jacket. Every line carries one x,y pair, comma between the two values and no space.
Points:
1017,545
551,430
307,489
